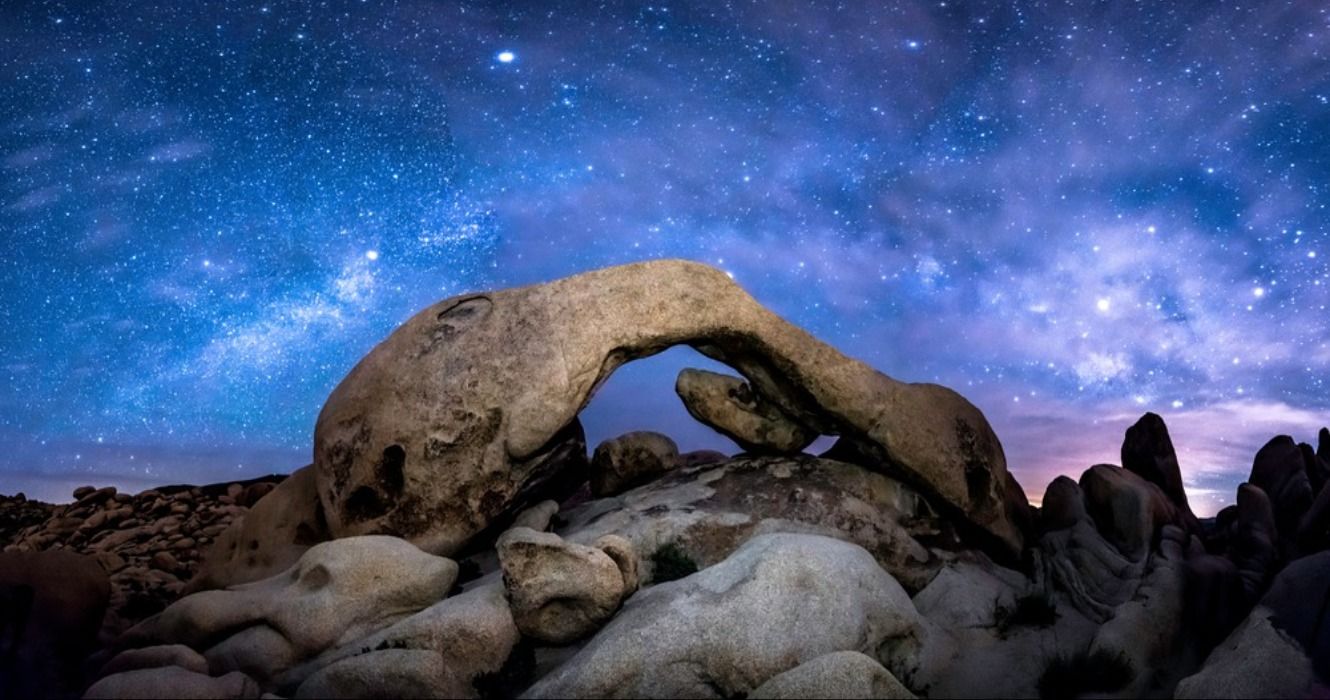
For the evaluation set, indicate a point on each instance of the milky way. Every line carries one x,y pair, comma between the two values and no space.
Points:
1072,213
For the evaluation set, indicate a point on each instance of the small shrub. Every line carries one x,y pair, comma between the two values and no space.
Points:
1083,673
670,563
1033,610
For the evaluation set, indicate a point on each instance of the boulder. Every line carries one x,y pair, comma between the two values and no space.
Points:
473,633
338,591
631,459
537,517
1279,471
434,435
268,539
701,458
1147,451
778,601
1127,509
1298,601
1254,544
159,656
707,512
559,591
840,674
390,673
1256,661
729,406
1063,505
51,608
172,682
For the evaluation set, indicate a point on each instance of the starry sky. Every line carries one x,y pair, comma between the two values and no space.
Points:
1070,212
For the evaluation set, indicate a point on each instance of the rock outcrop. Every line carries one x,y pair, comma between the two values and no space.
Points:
268,538
338,591
778,601
731,407
434,434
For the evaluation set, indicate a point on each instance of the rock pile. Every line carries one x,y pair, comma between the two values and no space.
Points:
149,543
454,539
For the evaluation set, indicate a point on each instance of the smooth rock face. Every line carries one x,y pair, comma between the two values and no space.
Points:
1298,601
730,407
841,674
269,538
172,682
559,591
778,601
391,673
51,607
631,459
1256,661
708,512
337,591
473,633
434,434
156,657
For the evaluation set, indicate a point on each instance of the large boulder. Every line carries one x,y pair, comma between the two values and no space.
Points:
1299,605
338,591
705,513
778,601
51,608
1256,661
630,460
173,682
1127,509
388,673
729,406
1147,451
473,633
267,539
559,591
840,674
1280,471
434,434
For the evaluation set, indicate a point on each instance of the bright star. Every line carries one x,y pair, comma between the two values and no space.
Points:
372,254
1103,304
506,56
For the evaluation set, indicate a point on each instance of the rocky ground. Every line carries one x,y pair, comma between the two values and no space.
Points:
465,544
148,543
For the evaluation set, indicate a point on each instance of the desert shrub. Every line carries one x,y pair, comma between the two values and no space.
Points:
670,562
1033,610
1085,673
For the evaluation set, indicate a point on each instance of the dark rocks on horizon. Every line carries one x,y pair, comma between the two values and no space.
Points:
454,538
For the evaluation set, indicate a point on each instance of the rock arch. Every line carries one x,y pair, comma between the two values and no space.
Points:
480,393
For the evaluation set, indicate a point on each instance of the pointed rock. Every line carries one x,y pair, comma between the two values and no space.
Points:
1147,451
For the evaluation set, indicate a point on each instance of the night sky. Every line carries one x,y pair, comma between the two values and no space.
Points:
1069,212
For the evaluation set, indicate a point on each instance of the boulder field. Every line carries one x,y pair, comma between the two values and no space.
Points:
454,537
